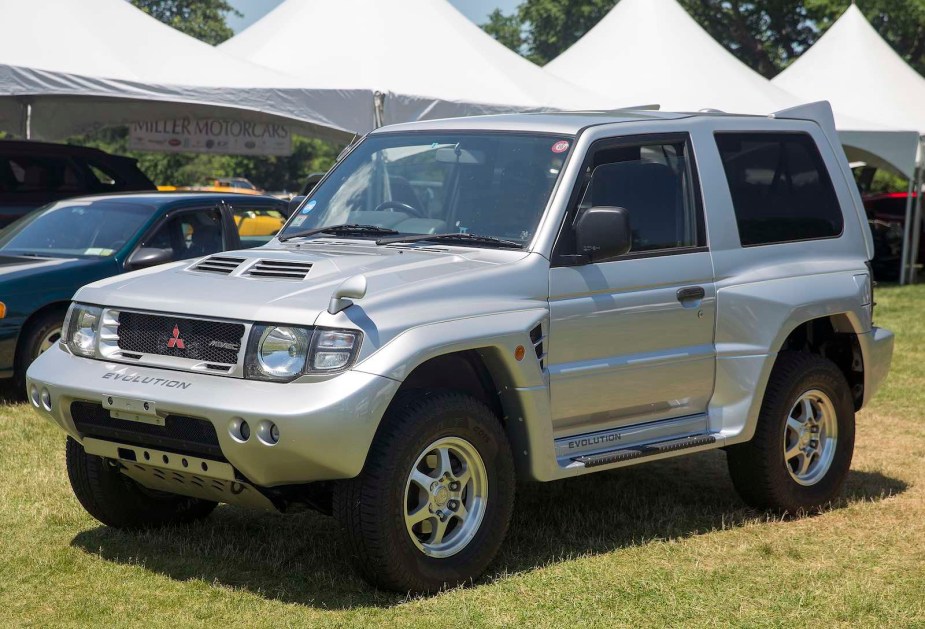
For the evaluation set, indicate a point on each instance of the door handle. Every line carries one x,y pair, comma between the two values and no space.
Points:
690,293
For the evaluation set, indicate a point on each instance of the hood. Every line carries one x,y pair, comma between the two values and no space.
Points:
407,284
39,274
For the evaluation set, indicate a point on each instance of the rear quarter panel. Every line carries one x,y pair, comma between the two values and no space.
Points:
764,292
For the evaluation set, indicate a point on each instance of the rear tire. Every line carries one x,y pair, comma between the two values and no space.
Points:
117,501
433,503
804,441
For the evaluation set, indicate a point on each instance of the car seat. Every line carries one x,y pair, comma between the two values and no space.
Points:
652,194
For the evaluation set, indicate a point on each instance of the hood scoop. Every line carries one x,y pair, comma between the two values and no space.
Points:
222,265
279,269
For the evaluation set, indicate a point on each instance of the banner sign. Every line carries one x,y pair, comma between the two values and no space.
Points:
230,137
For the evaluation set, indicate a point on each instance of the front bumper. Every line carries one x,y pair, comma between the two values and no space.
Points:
325,428
877,352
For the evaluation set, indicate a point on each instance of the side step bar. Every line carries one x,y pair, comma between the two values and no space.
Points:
625,454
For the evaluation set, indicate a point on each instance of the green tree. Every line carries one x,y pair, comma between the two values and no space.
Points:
554,25
766,35
507,29
203,19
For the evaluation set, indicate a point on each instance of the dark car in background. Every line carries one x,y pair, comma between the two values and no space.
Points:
886,213
33,174
46,256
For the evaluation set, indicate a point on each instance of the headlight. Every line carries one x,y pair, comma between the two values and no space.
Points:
82,326
277,352
283,353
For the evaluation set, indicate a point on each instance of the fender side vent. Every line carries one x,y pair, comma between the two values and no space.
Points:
279,269
536,337
222,265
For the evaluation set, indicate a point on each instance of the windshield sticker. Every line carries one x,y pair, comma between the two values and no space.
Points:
560,147
95,251
298,220
309,206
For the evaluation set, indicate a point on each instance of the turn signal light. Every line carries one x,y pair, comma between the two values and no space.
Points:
2,310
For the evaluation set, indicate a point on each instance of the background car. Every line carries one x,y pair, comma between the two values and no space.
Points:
886,213
35,173
46,256
226,184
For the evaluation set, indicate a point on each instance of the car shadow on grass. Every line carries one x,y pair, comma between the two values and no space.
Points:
301,558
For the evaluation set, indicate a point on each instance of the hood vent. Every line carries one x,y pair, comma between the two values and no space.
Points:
279,269
223,265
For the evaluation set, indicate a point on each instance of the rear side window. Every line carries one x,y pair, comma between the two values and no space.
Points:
781,190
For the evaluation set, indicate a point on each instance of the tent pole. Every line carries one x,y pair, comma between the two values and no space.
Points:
907,228
916,232
378,109
27,120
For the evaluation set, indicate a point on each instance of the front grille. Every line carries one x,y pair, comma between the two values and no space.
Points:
196,339
180,434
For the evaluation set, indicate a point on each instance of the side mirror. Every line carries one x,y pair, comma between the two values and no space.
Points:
147,257
603,233
294,204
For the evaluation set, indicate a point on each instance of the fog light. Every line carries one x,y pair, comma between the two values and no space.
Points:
239,429
268,433
34,395
46,399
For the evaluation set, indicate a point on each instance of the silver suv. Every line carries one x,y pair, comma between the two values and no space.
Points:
463,303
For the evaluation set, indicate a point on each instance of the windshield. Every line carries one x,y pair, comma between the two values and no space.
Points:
72,228
483,184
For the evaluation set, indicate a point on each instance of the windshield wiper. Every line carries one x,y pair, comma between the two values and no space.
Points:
463,238
341,229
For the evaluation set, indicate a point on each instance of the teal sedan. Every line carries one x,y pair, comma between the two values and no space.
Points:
47,255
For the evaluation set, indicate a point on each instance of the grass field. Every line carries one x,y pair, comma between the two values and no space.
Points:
667,543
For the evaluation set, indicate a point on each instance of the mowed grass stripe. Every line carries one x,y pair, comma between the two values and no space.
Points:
666,543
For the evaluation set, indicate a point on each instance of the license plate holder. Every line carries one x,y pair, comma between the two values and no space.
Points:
143,411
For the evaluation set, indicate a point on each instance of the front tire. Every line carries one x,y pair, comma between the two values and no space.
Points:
801,452
433,503
117,501
41,334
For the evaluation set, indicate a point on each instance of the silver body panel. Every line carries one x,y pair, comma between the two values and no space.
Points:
624,359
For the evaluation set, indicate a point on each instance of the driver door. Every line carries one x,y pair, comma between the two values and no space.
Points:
631,339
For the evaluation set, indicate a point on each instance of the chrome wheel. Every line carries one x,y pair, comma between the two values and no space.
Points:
445,497
810,437
52,337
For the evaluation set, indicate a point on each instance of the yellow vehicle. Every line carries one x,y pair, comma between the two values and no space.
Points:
253,222
238,185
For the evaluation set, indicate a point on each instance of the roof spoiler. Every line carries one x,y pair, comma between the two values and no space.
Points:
649,107
821,114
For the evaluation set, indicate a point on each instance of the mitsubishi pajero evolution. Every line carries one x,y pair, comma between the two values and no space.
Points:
462,303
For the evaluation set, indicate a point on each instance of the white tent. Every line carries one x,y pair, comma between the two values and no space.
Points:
860,74
863,76
82,65
429,59
653,51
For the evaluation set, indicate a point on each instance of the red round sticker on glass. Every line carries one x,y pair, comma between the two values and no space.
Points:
560,147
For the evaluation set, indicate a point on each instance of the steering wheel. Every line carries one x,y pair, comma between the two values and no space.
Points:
398,205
